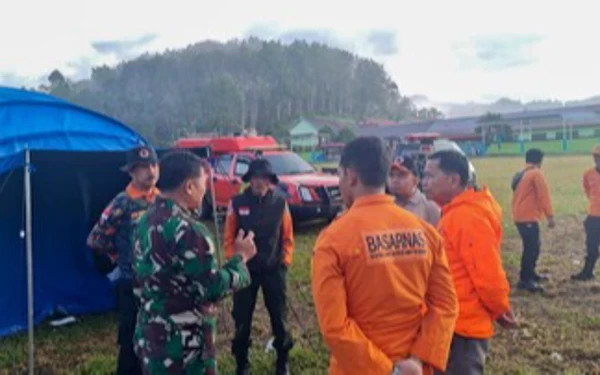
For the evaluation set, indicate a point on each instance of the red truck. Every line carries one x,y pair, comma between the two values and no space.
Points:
310,194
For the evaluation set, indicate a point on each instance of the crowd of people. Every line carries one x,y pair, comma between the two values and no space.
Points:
404,281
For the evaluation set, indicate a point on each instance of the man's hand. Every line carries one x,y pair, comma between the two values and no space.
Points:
245,246
551,223
410,366
507,320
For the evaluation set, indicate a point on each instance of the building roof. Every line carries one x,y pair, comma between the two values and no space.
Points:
399,130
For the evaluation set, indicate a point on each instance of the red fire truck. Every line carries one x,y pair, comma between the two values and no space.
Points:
310,194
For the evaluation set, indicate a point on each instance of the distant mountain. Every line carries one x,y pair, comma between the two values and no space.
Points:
503,105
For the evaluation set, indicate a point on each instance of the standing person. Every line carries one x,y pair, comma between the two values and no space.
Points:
112,236
382,288
403,183
261,210
177,272
591,186
530,204
471,225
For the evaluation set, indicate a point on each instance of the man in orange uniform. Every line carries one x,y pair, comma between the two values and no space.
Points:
530,204
381,284
591,186
471,226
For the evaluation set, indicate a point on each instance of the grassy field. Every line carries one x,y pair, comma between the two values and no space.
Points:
574,146
559,334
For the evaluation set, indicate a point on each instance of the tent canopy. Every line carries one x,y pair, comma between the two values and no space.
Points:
40,122
75,155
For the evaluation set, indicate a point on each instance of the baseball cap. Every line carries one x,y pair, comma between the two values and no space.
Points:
405,164
140,155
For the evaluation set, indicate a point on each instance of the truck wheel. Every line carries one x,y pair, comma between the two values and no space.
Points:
207,209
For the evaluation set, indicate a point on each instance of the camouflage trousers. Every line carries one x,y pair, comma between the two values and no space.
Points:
173,349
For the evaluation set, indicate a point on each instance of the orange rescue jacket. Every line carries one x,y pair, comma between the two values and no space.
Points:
591,186
382,289
471,226
531,199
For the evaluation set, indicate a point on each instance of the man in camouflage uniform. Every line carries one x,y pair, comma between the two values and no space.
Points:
111,238
180,282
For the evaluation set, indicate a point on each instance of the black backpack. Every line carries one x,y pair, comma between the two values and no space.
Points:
517,178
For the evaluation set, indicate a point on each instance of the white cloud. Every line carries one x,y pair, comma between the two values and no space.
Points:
439,43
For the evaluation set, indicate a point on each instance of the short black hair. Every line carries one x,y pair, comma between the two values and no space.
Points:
176,167
534,156
370,158
452,161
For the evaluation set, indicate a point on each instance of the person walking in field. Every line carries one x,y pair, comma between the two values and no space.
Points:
176,270
591,187
403,183
382,288
265,212
531,203
471,225
112,236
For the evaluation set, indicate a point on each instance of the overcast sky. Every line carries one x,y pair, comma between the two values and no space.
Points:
456,50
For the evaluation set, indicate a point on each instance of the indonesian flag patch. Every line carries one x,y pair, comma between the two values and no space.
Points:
244,211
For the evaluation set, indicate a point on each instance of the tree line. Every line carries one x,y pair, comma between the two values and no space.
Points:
226,87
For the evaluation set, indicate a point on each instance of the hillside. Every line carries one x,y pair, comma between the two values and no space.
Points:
226,86
503,105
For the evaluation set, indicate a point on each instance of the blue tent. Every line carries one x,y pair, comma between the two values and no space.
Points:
73,173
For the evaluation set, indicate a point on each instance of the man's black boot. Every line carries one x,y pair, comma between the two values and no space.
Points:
241,361
587,273
530,286
281,366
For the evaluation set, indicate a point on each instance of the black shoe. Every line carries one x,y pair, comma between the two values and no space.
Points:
242,370
530,286
281,366
583,276
538,278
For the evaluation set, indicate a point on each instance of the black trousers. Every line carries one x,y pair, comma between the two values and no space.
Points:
530,235
592,240
128,362
467,356
273,285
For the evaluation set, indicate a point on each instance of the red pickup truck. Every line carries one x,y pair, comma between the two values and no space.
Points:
310,194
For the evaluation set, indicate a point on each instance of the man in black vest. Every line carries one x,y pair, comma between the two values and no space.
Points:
264,211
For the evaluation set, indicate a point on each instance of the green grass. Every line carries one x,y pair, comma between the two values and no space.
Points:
575,146
565,320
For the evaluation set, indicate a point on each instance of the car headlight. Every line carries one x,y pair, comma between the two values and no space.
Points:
305,194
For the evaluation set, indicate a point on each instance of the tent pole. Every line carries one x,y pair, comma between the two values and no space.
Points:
215,216
29,249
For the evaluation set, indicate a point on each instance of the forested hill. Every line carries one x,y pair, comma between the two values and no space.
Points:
252,83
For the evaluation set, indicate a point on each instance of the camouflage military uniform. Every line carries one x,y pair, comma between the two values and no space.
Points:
112,236
176,268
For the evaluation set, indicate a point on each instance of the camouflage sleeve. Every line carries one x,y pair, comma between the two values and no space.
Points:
102,236
201,266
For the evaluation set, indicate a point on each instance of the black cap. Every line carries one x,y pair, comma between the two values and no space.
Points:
140,155
405,164
260,168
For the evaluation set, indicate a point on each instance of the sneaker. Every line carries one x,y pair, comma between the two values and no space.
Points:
530,286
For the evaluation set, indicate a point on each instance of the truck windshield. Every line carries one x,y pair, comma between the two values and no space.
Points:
288,163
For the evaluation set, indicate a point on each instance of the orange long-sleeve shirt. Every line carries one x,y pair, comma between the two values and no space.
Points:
287,235
382,289
591,186
531,200
471,225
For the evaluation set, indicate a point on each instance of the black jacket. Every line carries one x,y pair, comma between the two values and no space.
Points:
265,217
